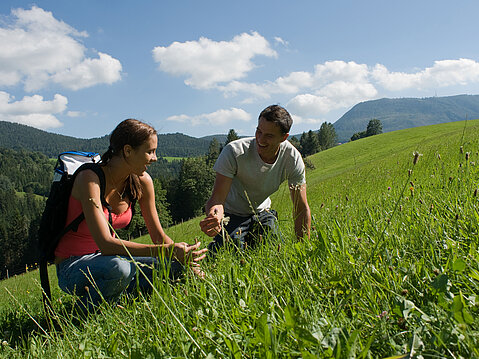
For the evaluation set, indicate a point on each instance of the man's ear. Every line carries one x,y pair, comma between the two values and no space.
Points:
285,137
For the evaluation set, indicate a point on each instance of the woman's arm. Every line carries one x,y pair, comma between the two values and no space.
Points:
86,189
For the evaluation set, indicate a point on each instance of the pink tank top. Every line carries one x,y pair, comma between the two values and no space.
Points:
81,242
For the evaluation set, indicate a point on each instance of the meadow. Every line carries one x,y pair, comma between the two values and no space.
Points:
391,270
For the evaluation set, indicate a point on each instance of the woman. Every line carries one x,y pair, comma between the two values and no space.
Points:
92,257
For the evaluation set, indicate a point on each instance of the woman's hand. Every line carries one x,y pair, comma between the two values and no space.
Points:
189,253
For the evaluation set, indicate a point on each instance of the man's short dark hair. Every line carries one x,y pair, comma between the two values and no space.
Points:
279,116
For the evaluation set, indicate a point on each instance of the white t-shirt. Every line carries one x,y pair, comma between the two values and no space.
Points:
254,180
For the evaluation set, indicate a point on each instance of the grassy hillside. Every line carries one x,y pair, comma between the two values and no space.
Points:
392,268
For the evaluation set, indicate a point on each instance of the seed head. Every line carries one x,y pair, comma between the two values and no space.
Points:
416,157
467,156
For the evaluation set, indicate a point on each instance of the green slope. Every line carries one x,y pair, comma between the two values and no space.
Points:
392,269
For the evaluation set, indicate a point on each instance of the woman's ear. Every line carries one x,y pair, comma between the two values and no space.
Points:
127,149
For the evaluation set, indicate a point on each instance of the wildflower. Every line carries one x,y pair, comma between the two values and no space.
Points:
389,188
409,172
416,157
436,271
383,314
4,343
411,189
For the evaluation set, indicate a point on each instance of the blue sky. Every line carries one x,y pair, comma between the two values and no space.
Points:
202,67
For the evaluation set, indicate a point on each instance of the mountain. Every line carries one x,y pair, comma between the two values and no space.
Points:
397,114
16,136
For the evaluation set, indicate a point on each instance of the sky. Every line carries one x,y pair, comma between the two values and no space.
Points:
200,68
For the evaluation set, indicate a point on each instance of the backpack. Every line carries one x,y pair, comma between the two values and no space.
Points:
53,222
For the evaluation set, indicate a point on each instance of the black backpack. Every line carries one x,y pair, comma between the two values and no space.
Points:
53,223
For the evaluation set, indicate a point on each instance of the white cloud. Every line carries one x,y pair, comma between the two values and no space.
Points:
217,118
442,74
279,40
90,72
207,63
38,49
75,114
32,110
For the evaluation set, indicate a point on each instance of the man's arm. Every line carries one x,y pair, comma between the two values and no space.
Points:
301,211
211,225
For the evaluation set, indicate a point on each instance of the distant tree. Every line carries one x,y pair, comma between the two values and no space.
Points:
192,188
327,136
295,142
375,127
161,204
232,135
309,143
213,152
358,135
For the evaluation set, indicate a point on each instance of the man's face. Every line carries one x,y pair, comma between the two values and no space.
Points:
268,139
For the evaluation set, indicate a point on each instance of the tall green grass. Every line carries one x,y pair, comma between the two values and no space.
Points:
391,270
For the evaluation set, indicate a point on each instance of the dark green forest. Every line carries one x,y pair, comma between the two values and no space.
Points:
18,137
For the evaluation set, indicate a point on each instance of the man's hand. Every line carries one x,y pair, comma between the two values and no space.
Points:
211,225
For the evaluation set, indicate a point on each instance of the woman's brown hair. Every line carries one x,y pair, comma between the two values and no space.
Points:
134,133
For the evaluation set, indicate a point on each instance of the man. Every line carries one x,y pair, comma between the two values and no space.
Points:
248,171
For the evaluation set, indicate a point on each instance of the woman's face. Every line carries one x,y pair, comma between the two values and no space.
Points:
139,158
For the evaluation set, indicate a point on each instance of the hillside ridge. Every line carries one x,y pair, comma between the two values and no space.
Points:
401,113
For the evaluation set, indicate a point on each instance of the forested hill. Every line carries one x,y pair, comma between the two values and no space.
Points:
17,137
397,114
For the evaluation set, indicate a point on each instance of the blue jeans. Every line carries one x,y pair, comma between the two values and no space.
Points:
111,275
246,232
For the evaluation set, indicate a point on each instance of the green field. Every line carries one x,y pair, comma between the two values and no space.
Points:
171,159
392,269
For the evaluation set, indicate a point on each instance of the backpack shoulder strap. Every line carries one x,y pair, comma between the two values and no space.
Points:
95,167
